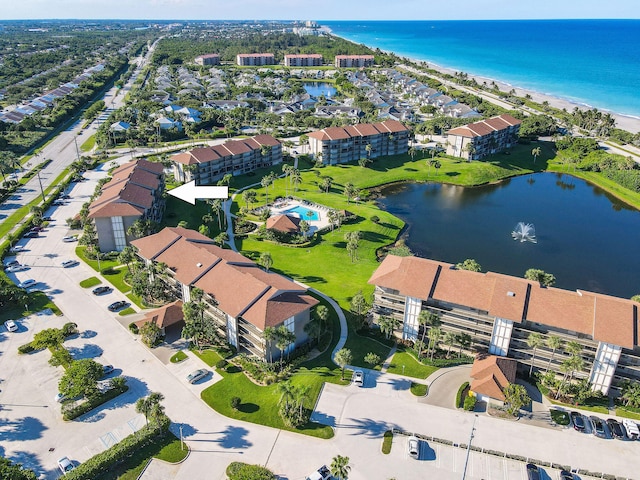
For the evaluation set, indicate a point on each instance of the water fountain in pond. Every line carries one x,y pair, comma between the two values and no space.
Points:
525,232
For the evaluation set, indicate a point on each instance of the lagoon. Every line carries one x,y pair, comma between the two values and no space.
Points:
316,89
586,238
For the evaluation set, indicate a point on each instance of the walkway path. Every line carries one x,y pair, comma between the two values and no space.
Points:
387,362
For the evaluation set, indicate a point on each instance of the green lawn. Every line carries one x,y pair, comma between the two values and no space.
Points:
419,389
412,368
560,417
623,412
37,302
90,282
89,143
178,357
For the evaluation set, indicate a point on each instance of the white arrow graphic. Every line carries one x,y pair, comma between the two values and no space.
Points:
189,192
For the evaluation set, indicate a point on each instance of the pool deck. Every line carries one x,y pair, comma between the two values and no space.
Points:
281,207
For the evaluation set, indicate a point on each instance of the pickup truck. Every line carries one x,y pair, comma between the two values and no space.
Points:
322,473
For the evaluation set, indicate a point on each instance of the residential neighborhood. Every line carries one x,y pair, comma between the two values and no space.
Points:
309,325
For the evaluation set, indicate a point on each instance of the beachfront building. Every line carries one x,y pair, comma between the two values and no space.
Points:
208,59
303,60
334,145
353,61
477,140
255,59
499,312
133,193
240,298
207,165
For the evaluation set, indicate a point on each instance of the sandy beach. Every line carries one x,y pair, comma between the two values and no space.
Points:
625,122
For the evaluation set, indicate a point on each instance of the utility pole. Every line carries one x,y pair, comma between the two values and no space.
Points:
466,460
75,140
40,182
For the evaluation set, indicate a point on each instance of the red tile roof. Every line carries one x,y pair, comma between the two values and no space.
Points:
492,374
358,130
604,318
485,127
164,316
284,223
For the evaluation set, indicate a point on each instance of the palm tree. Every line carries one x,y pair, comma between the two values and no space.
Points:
412,152
301,394
631,394
150,406
265,182
554,342
340,467
427,317
534,340
286,169
434,337
536,153
574,348
249,196
343,358
270,334
368,149
216,208
296,178
265,260
449,340
287,393
285,338
464,342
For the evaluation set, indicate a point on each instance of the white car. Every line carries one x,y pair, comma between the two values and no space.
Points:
358,378
11,326
65,465
413,447
70,263
27,283
60,398
17,268
69,239
17,248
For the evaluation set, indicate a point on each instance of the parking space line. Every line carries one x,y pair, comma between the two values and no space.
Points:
109,440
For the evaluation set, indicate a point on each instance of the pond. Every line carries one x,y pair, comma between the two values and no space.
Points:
586,238
316,89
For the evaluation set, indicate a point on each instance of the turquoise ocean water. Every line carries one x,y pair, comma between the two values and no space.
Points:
590,62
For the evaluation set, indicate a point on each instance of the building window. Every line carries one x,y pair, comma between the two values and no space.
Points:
289,324
119,236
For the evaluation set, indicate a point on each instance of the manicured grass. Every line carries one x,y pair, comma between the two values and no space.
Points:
36,302
90,282
387,442
178,357
560,417
591,408
623,412
126,311
132,467
412,368
210,357
89,143
419,389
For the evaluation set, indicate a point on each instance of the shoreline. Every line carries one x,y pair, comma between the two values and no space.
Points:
625,122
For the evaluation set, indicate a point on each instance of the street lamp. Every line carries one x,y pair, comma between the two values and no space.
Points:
181,439
40,182
466,460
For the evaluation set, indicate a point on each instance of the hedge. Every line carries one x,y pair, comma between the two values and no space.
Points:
459,399
93,402
104,461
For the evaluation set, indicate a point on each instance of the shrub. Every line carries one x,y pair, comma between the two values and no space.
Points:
244,471
133,328
70,413
104,461
470,403
375,219
461,391
387,441
69,329
221,364
26,348
235,402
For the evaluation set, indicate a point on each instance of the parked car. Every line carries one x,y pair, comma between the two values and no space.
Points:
70,263
533,472
101,290
66,196
107,369
37,228
413,447
358,378
17,268
631,427
199,374
597,427
564,475
65,465
119,305
616,429
59,201
11,326
578,421
323,473
27,283
69,238
11,263
47,219
17,248
60,398
31,234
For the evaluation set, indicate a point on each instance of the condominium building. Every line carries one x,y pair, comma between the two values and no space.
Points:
353,61
335,145
208,59
499,312
479,139
255,59
207,165
133,193
241,299
303,60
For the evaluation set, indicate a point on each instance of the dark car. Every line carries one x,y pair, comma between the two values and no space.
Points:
564,475
107,369
31,234
47,219
101,290
36,229
597,427
119,305
616,429
578,421
533,472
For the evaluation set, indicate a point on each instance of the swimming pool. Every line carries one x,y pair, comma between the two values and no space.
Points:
304,213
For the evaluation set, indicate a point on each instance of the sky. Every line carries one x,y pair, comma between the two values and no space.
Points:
321,10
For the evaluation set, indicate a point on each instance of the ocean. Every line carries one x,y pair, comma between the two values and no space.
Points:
588,62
